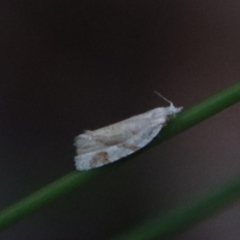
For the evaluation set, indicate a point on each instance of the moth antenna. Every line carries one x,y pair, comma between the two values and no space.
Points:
160,95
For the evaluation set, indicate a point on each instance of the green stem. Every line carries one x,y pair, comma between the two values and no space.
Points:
44,196
183,217
73,180
201,111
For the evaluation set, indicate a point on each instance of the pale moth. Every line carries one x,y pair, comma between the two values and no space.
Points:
113,142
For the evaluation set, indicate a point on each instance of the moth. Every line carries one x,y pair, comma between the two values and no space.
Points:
113,142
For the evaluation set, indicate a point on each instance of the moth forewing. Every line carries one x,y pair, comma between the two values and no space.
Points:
113,142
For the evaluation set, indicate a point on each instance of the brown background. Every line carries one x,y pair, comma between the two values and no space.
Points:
72,65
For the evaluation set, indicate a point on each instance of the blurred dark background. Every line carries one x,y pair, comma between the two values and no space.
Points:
72,65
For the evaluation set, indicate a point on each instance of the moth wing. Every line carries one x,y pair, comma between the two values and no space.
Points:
108,154
87,143
113,142
115,134
140,139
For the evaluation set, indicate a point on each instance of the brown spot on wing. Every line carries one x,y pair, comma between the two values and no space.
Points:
100,158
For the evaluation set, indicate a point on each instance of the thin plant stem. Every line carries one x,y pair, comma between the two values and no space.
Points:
73,180
201,111
184,217
42,197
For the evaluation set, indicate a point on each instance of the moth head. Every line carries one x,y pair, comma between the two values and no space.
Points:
170,111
